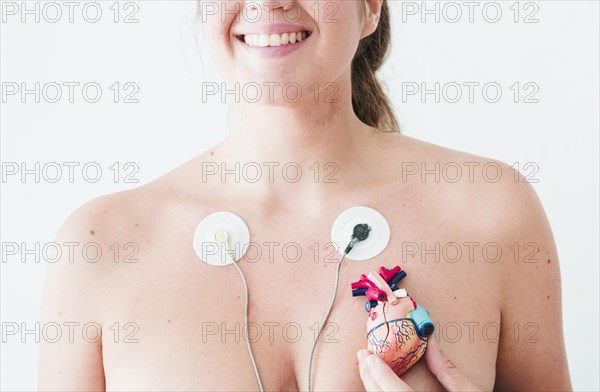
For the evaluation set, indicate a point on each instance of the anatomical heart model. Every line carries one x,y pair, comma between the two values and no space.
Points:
397,327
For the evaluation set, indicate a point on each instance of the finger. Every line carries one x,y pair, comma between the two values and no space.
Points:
385,376
445,371
365,375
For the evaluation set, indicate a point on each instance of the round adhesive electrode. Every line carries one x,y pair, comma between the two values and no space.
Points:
379,236
212,252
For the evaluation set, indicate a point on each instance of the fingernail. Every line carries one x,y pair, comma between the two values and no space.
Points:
361,354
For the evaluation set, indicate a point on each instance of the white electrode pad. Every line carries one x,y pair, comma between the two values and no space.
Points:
212,252
379,236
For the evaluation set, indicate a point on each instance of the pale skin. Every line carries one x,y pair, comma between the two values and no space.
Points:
158,313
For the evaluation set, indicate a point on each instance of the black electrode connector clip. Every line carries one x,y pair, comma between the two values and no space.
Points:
360,233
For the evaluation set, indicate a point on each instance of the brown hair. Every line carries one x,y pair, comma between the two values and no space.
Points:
369,101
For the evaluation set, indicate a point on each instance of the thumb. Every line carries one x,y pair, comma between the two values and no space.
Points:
383,375
445,371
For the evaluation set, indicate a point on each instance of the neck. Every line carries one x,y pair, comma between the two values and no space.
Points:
304,151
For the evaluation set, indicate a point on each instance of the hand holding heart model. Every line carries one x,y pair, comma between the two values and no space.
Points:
397,327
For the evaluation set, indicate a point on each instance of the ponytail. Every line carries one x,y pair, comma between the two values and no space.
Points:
369,101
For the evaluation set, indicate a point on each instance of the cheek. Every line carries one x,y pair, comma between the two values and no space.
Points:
339,29
218,49
216,19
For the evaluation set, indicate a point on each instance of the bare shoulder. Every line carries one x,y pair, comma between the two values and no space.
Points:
92,241
489,201
136,217
482,190
102,215
100,237
126,214
110,217
498,202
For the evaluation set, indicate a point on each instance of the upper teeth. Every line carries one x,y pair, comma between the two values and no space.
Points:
274,39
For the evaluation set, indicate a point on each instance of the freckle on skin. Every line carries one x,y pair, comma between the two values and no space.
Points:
548,261
454,297
168,321
548,297
212,153
92,232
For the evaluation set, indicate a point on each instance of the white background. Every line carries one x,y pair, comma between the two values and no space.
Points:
163,55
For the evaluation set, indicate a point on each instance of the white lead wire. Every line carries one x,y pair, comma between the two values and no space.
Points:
246,324
337,280
224,239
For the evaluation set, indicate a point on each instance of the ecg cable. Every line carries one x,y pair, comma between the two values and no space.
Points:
360,233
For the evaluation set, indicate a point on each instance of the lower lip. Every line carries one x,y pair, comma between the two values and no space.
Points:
274,51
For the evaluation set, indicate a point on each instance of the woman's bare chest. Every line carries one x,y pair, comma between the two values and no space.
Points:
174,322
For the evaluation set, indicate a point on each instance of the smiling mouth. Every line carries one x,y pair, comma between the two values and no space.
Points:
265,40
